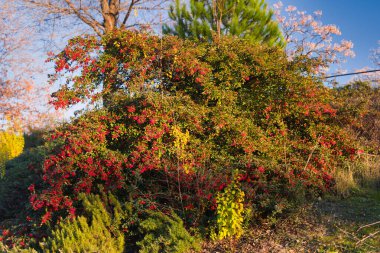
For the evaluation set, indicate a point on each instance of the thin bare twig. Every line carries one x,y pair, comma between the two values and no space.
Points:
347,233
368,225
311,153
128,12
367,237
92,23
357,239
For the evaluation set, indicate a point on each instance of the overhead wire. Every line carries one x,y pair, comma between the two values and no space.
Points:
353,73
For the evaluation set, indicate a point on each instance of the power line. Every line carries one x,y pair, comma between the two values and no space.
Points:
353,73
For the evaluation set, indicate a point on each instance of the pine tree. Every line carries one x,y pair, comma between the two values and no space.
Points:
250,19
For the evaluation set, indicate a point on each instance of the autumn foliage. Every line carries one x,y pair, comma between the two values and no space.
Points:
179,139
306,36
11,145
358,111
180,119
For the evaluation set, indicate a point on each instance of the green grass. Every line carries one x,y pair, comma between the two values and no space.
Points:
344,219
329,225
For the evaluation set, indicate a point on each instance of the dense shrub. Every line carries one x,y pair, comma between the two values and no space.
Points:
97,233
179,118
358,110
104,223
6,249
162,233
21,172
35,137
230,211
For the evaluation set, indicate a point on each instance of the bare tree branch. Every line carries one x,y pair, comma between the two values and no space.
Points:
369,225
101,16
92,23
367,237
129,11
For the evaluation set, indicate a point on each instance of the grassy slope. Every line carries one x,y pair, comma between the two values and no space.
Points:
326,226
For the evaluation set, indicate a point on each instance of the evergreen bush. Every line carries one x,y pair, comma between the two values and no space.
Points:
165,234
94,233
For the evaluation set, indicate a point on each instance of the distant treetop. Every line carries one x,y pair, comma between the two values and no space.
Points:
250,19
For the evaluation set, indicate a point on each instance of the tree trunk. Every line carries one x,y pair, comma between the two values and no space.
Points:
110,12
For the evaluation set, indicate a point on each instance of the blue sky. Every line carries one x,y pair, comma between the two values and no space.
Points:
359,21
